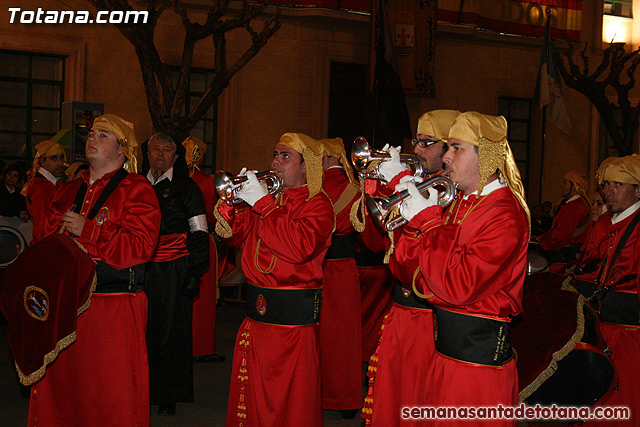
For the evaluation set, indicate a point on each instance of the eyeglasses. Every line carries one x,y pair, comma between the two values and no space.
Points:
423,143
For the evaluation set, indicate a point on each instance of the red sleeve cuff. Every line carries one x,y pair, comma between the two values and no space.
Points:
265,205
396,179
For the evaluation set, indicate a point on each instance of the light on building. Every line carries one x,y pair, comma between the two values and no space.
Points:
616,29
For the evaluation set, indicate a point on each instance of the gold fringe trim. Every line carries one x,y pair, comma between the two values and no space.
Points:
48,359
243,374
358,225
387,255
558,355
372,370
64,342
223,229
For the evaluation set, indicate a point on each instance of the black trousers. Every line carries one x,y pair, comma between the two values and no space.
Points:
169,339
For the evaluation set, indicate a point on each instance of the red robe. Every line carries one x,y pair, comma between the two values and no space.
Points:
472,260
399,368
569,227
340,332
624,341
40,192
284,240
376,285
204,305
103,378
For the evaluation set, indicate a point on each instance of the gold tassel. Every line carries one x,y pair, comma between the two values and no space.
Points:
223,229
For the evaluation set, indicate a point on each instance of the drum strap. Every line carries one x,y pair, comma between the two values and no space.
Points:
621,243
115,179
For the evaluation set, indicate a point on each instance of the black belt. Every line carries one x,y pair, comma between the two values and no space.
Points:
110,280
471,339
407,298
622,308
342,246
294,307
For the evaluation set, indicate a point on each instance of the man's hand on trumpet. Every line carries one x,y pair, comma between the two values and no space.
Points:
411,206
252,190
392,167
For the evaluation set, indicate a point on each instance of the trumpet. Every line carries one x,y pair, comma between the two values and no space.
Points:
379,207
228,185
362,155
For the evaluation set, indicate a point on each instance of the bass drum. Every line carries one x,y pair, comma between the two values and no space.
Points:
560,354
536,262
12,244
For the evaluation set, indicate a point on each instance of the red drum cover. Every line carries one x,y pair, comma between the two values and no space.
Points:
41,295
559,350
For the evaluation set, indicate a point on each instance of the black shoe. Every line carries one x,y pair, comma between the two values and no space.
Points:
167,410
349,414
209,358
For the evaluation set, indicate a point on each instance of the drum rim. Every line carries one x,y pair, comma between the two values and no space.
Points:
20,237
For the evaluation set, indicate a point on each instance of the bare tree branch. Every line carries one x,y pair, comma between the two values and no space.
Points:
617,62
166,102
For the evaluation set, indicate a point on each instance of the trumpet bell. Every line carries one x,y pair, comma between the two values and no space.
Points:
228,185
224,186
380,207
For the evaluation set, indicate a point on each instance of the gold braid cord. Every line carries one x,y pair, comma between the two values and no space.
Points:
223,229
61,344
558,355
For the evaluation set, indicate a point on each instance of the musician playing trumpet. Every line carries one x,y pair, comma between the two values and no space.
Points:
470,266
400,367
276,373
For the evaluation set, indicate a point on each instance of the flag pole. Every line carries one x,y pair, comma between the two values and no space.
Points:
544,137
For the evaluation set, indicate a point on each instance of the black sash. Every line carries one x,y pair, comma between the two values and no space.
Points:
343,246
621,308
111,280
408,298
293,307
471,338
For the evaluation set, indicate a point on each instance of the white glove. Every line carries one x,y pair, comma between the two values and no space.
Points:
390,168
405,180
252,190
416,203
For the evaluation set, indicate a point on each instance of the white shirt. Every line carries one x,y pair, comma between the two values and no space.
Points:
625,213
48,175
488,189
168,175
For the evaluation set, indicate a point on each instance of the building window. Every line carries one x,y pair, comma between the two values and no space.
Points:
618,8
517,111
207,128
31,95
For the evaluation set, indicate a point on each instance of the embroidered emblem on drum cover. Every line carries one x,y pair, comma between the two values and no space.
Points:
36,302
103,215
406,292
261,305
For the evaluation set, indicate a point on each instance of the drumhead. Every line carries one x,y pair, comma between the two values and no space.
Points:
536,263
12,244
